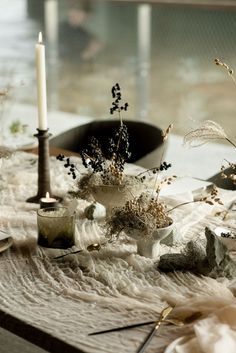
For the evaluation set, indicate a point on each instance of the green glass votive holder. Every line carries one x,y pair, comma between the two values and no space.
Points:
56,227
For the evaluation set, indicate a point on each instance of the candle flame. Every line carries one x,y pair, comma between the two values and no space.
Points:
47,195
40,38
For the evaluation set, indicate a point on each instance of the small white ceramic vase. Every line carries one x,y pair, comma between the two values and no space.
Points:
150,247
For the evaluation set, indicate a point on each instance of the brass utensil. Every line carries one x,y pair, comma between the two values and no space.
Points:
174,322
165,312
69,253
91,247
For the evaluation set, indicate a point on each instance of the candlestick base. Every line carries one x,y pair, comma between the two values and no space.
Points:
34,199
43,167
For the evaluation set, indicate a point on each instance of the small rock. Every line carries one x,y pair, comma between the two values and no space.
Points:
174,262
218,262
215,262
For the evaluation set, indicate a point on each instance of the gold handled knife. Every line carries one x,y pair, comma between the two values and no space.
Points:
165,312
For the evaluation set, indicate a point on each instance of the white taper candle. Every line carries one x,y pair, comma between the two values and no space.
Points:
41,83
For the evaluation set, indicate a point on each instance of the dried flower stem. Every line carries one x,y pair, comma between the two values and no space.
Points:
231,142
182,204
120,117
227,68
209,130
211,199
165,135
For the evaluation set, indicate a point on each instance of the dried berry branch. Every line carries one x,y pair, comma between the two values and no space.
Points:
163,166
68,165
92,156
109,165
157,170
116,106
231,176
210,199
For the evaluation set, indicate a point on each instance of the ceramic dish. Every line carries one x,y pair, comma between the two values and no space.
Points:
5,241
227,236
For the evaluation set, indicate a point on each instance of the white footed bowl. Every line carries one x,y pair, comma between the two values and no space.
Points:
114,195
150,247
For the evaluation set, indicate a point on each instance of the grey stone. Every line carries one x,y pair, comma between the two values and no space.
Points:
187,261
175,262
214,261
218,262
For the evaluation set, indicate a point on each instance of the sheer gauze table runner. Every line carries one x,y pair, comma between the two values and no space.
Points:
79,294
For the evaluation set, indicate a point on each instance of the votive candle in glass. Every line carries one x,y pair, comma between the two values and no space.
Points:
56,227
48,201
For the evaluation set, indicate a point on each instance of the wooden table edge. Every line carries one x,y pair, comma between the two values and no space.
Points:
35,335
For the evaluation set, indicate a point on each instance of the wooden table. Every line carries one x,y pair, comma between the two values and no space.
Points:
55,151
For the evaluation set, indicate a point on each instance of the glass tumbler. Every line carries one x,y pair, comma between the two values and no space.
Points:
56,228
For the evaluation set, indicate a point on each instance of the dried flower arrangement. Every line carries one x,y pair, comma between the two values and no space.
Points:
110,169
144,214
140,213
105,173
139,217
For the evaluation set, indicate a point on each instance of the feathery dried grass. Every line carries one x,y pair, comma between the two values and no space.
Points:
209,130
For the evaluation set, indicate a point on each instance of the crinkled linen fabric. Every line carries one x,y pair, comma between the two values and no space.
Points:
78,294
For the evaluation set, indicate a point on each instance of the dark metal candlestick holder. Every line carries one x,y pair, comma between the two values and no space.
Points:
43,166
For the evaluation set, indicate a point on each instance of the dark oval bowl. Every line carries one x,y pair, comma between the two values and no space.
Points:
146,143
